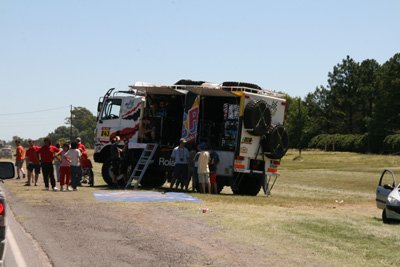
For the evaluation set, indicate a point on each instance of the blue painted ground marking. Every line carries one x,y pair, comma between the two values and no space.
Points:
134,196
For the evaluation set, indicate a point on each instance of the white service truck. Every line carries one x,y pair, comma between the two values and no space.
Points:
243,121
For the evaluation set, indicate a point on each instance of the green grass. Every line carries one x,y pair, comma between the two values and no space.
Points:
303,222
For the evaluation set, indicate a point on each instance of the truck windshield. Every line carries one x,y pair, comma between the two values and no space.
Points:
111,109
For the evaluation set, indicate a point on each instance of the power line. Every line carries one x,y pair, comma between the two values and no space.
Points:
29,112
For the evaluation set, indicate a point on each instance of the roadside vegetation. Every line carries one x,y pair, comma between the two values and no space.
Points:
322,211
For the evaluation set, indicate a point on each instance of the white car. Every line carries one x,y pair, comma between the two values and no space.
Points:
388,197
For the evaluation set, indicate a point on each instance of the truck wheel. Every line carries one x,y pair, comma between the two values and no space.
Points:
250,185
257,116
276,142
153,178
106,171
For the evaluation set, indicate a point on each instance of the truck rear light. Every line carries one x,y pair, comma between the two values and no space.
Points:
239,158
1,208
283,103
272,170
276,162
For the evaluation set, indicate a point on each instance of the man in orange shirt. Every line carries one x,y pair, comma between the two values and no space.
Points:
19,159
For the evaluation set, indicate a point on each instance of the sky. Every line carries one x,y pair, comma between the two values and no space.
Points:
58,54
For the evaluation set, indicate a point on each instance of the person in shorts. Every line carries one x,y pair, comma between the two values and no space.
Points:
73,156
32,163
203,170
19,159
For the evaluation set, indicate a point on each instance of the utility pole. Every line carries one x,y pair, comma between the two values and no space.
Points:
299,128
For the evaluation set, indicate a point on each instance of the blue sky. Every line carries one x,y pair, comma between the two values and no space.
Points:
54,54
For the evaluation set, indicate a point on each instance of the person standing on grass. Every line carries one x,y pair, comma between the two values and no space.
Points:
203,170
46,156
65,171
191,166
214,161
32,163
19,159
180,155
73,157
115,159
57,161
81,146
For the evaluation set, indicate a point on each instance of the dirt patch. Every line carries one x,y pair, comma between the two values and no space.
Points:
74,233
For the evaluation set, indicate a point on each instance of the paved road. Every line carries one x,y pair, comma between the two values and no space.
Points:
21,249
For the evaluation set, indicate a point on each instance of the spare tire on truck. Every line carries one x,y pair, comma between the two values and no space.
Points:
257,117
276,142
242,84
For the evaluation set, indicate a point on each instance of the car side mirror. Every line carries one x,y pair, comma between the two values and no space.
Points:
388,187
7,170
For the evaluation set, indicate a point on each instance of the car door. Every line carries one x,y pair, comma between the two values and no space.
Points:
386,184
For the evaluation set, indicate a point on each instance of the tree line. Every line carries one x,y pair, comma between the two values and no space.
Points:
360,102
83,125
359,109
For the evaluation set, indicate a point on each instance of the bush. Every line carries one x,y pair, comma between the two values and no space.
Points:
391,144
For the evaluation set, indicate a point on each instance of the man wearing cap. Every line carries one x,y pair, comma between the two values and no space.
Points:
180,155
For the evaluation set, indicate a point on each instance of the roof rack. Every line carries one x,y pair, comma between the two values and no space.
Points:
141,87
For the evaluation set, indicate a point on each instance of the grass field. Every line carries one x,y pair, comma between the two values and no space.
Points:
322,211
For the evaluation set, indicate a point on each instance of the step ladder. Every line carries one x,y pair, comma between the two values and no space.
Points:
142,164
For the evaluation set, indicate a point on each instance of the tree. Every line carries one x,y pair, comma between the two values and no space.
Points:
62,133
386,115
85,122
319,111
293,122
368,73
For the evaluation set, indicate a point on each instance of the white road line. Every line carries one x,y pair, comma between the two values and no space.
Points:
15,249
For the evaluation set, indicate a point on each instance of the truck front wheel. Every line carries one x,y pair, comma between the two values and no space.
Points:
106,172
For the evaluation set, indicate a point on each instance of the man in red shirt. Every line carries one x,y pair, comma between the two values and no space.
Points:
81,147
32,162
46,155
19,159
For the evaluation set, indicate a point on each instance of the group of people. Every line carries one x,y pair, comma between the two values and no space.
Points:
198,165
69,162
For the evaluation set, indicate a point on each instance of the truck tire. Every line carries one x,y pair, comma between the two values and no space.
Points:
242,84
250,185
276,142
257,117
106,171
189,82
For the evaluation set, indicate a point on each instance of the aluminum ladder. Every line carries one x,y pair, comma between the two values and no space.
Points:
142,164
